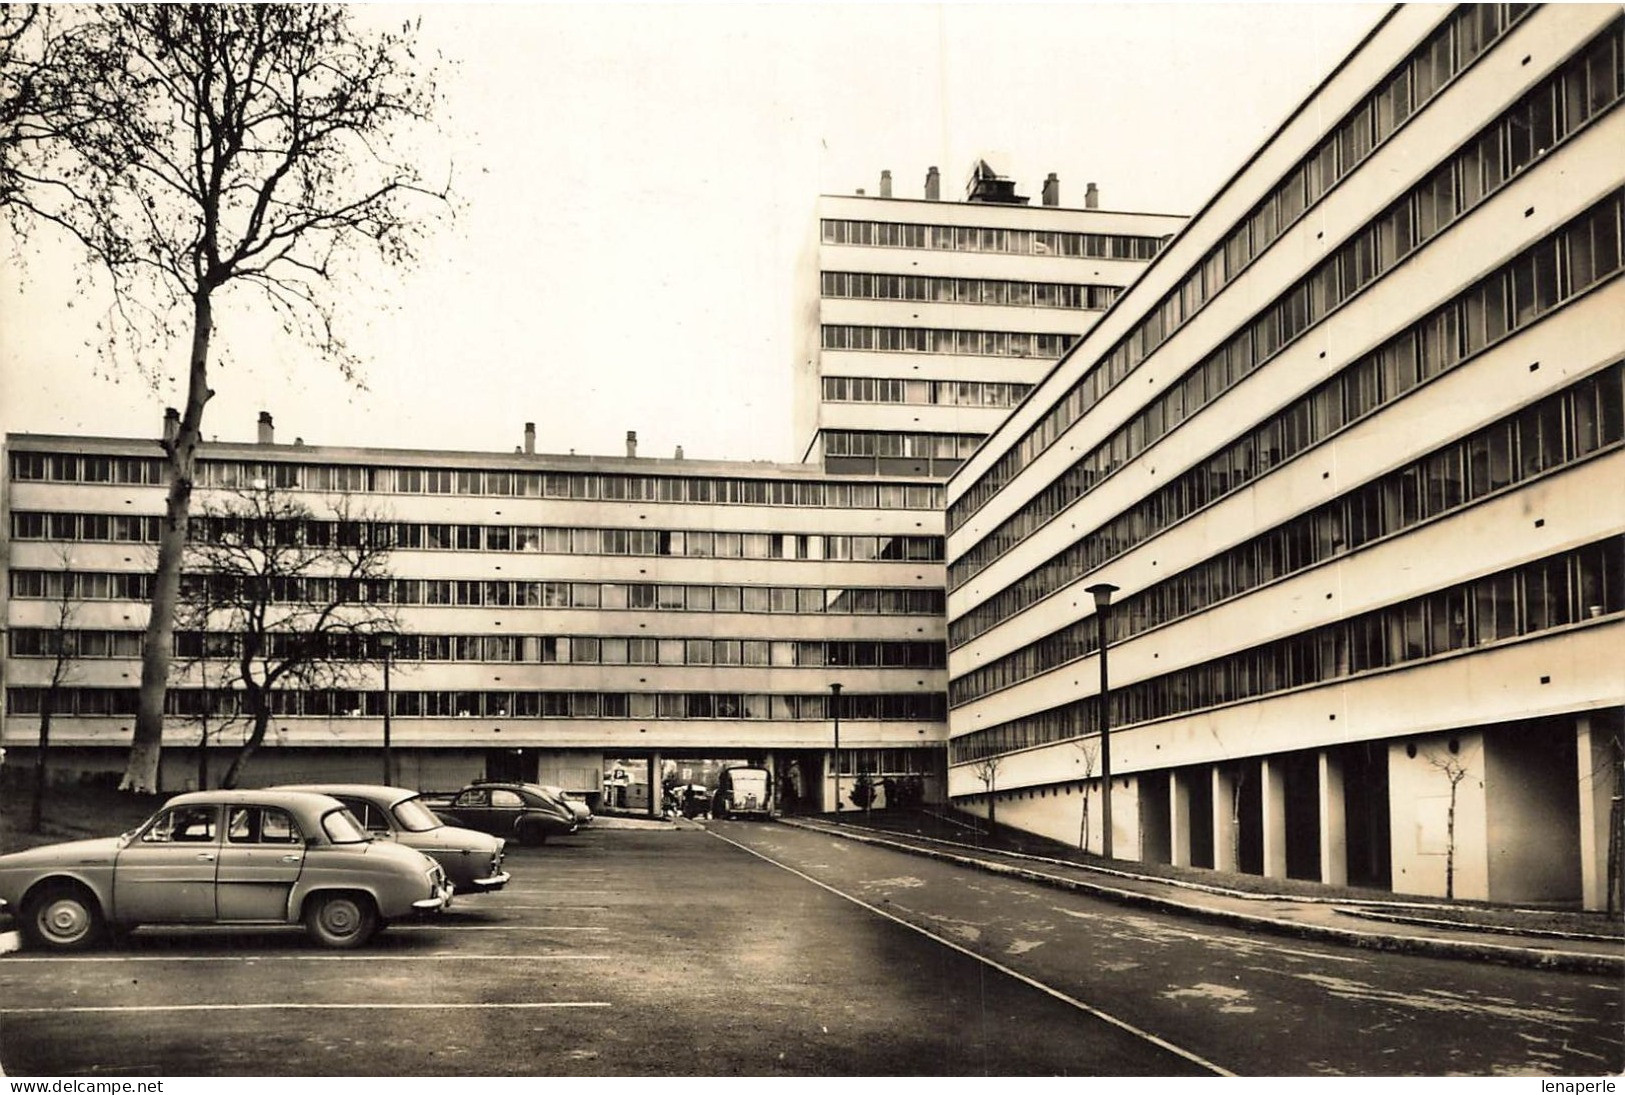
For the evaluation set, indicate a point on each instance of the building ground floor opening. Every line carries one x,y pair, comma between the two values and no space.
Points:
1525,811
644,781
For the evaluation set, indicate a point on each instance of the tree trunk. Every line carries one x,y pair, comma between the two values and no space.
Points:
261,703
1450,848
146,746
36,812
203,754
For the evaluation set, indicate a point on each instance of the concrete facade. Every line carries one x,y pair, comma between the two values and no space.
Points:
573,611
1350,450
923,321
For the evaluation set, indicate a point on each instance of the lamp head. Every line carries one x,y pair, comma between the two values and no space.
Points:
386,640
835,688
1102,593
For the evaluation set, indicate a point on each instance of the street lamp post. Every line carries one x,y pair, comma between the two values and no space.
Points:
386,642
1102,592
835,711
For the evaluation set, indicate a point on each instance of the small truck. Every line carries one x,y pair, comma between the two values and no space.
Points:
743,792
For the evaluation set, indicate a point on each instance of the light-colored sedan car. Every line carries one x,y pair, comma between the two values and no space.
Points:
246,858
471,859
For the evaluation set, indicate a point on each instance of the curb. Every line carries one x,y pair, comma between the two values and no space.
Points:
1393,944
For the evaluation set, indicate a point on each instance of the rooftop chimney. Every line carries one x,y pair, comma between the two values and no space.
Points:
267,432
1052,190
1091,197
631,443
530,437
679,453
933,185
172,425
885,184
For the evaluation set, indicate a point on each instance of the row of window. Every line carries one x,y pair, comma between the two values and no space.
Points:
936,393
1563,589
1546,275
33,525
888,762
935,340
194,702
999,241
350,478
644,596
1555,432
80,585
1461,39
940,446
31,642
1027,294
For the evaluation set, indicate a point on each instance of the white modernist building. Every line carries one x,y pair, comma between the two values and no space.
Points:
1350,450
559,616
924,321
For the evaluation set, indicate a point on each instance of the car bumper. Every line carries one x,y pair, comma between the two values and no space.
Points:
494,882
440,899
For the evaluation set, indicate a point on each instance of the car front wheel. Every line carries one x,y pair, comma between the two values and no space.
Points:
63,917
341,920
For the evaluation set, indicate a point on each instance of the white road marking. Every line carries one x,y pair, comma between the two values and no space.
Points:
556,908
315,958
490,928
1023,978
573,893
295,1005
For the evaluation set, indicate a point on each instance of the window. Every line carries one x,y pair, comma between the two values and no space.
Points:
184,824
267,825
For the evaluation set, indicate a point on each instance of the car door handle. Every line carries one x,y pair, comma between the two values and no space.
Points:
206,857
292,858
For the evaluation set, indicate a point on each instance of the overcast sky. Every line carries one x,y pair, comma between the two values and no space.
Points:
637,181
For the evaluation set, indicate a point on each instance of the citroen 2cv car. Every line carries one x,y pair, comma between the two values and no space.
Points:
472,860
245,858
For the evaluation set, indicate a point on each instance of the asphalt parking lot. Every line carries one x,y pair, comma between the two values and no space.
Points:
653,951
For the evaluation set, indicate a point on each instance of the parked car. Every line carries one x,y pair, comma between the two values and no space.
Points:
743,792
579,807
520,811
472,860
245,858
690,799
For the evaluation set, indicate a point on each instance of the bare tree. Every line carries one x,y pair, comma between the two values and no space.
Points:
294,600
45,51
59,642
1455,770
207,661
271,153
1088,752
987,770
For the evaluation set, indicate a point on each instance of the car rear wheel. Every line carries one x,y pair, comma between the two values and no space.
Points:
63,916
341,920
531,834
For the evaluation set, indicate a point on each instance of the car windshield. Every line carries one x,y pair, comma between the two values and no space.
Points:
415,817
341,827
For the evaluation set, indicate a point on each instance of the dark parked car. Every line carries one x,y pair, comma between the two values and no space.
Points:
522,812
582,811
472,860
241,858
